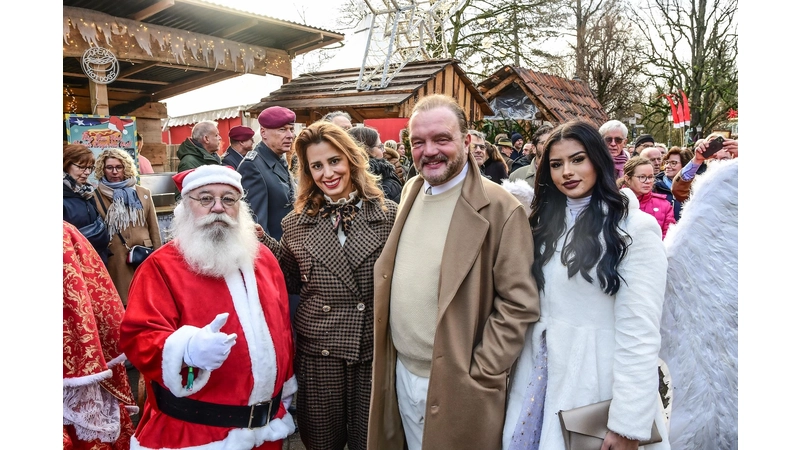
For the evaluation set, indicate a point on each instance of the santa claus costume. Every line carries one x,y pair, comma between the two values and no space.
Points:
97,397
243,403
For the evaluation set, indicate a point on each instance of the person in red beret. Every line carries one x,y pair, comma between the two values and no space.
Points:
266,179
241,142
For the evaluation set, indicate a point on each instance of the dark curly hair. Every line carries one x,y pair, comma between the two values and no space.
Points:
600,220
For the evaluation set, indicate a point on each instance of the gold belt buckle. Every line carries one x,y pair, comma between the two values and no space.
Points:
253,410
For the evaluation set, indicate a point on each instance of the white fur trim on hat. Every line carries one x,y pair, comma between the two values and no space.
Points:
212,174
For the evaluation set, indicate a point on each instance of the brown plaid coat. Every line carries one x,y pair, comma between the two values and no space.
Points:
335,282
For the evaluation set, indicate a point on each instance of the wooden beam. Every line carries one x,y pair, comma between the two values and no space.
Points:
152,10
303,42
238,28
136,68
191,84
129,80
184,67
495,90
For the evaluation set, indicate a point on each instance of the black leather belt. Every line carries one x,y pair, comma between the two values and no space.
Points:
215,414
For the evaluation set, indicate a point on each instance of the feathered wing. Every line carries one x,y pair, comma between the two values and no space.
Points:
699,325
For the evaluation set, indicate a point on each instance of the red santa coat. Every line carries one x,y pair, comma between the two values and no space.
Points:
167,305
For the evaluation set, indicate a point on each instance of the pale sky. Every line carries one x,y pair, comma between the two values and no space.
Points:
247,88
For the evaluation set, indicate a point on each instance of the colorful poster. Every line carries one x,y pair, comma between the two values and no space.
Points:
102,132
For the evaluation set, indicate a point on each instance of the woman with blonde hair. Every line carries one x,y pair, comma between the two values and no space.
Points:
329,246
128,211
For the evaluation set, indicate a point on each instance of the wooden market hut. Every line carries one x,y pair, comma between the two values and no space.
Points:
312,95
554,99
168,47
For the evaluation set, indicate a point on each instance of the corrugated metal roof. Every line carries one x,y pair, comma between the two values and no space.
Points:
559,99
217,114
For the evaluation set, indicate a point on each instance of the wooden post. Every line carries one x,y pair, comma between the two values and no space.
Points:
98,93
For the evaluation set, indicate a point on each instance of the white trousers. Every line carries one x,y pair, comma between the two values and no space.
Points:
412,392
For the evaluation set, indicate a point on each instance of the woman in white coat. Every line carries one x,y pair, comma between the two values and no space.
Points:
600,266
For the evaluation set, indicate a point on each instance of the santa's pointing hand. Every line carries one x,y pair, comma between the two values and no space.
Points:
209,347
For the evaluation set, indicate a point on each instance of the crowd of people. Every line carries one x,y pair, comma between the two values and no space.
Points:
316,282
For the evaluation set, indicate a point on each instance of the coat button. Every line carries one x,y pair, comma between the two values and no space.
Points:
325,353
384,276
326,308
361,307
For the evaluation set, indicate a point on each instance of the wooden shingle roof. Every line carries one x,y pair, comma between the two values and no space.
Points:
314,94
559,99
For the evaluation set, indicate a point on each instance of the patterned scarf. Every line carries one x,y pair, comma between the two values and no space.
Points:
126,209
619,163
343,211
84,190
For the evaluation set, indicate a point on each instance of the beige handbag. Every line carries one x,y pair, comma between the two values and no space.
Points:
585,428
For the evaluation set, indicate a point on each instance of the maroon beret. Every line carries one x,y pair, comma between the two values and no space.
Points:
240,133
276,117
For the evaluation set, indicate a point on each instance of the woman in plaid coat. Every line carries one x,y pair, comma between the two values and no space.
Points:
329,246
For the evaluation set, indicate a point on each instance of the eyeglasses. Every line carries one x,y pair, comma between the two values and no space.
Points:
115,168
645,178
208,200
480,146
610,139
83,168
672,163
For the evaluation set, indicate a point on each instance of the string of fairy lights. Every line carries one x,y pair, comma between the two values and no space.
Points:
95,27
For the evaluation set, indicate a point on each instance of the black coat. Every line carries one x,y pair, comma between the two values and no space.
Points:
80,213
231,158
391,185
495,171
268,188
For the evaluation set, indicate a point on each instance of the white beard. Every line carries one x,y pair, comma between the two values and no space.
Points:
212,248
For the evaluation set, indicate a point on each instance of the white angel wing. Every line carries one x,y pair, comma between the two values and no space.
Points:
699,325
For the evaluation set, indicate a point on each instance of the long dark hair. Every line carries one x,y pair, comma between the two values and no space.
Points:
583,248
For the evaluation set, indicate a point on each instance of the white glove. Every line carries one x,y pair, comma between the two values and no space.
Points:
209,347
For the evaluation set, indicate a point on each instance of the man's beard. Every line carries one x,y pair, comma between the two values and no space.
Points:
452,167
215,244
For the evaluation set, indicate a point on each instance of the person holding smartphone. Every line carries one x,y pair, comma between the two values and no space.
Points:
708,148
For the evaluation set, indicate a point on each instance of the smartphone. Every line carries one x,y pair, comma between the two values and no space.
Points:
713,146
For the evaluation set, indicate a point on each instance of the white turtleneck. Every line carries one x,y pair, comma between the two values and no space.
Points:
577,205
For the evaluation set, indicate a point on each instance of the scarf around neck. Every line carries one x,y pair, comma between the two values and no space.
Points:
126,209
84,190
343,211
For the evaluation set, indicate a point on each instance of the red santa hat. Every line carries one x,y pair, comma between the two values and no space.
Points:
116,124
191,179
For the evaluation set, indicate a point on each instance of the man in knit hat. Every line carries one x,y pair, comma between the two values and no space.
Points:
241,142
517,143
265,173
208,326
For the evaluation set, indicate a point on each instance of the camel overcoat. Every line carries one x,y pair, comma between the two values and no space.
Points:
487,299
148,235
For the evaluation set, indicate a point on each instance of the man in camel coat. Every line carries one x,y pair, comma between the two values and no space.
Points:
453,296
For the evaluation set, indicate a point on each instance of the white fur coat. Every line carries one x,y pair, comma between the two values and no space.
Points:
699,326
600,347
